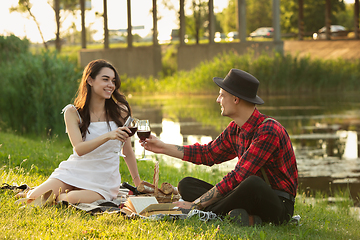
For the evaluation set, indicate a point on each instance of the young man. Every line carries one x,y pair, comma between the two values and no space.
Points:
262,187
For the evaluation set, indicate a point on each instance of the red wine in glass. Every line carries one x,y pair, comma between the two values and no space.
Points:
131,123
133,131
143,134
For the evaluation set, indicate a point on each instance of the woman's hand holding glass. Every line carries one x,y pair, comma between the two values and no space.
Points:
132,125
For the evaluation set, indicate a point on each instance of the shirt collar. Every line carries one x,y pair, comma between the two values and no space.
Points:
253,121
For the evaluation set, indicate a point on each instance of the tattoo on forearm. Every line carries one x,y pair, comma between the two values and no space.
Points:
212,195
180,148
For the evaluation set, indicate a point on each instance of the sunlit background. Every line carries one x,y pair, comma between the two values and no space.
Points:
21,26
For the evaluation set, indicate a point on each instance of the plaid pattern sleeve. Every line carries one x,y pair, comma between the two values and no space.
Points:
256,145
214,152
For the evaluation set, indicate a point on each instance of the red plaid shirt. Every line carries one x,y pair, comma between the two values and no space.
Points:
256,145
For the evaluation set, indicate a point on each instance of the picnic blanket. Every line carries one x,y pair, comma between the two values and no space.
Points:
113,207
102,206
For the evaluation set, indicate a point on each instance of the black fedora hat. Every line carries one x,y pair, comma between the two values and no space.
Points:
240,84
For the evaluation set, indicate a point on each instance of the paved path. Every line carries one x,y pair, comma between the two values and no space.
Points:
346,49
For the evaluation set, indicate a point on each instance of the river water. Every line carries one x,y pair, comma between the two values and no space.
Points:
324,129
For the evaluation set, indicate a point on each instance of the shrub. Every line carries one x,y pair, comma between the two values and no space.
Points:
11,46
33,91
277,75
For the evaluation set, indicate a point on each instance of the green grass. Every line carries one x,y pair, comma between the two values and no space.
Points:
31,159
319,219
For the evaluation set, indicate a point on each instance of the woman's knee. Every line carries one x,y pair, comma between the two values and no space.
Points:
53,184
80,196
68,197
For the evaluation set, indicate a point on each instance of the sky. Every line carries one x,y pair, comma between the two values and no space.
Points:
22,26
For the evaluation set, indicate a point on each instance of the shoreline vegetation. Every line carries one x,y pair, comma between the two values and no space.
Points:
29,161
35,87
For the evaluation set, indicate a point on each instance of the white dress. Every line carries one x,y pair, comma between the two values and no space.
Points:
97,170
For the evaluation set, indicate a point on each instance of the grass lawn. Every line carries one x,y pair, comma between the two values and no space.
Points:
31,161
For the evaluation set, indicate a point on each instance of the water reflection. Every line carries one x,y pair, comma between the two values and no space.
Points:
324,130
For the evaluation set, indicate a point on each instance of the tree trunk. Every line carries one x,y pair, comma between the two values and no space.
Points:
301,19
57,19
155,29
106,29
182,23
83,29
328,19
356,19
129,30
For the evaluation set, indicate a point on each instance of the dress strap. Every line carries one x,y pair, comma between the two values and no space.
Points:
69,106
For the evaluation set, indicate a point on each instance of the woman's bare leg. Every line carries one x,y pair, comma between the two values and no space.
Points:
54,184
80,196
65,192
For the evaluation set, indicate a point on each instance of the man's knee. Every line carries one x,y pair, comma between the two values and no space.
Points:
182,185
254,182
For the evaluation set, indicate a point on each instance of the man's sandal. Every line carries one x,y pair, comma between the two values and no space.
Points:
242,218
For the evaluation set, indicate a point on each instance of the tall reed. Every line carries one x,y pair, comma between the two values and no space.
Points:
277,74
33,90
35,87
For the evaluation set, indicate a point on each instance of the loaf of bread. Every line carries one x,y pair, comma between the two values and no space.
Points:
146,187
165,194
167,188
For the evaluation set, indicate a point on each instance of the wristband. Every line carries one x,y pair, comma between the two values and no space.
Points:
197,204
136,177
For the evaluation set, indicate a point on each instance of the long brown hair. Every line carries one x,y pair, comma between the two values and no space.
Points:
113,105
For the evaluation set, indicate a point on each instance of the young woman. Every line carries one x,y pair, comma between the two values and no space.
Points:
95,128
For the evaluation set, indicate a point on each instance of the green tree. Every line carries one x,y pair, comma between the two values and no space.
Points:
289,16
227,17
346,17
218,26
314,14
197,24
24,6
258,14
65,5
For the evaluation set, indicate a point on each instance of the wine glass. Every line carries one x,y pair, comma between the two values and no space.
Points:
131,123
143,132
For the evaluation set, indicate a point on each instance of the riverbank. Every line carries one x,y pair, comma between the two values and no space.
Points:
47,75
